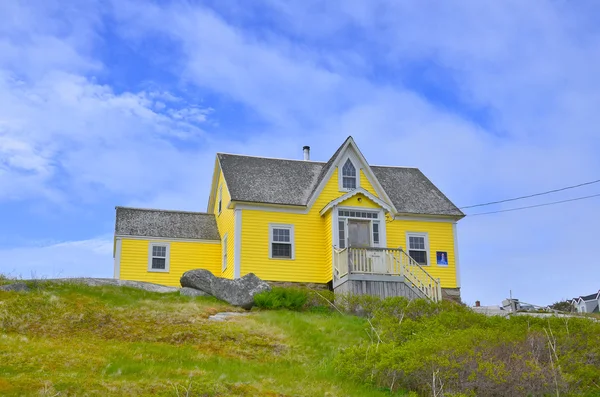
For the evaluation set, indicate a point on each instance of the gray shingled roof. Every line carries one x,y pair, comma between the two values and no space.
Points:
589,297
292,182
265,180
170,224
412,192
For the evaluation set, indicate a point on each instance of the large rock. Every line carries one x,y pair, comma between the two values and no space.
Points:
17,287
198,279
187,291
239,292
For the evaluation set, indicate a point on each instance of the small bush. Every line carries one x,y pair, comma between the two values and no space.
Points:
295,298
282,298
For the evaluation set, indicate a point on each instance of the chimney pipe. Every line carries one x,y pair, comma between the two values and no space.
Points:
477,304
306,150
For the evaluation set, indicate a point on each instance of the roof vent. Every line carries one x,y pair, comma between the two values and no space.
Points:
306,150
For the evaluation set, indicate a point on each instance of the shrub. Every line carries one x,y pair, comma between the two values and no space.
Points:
295,298
446,349
282,298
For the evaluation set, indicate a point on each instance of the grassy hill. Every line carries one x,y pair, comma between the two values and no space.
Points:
74,340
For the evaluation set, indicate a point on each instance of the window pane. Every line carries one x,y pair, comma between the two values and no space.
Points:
281,235
348,169
342,235
159,250
419,256
416,242
375,233
159,263
349,182
281,250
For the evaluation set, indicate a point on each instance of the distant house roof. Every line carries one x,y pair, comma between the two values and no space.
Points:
161,223
590,297
293,182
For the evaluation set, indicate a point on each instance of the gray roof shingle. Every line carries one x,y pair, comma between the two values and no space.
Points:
590,297
292,182
412,192
169,224
267,180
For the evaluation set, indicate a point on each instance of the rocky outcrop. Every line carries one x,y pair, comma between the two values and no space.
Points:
16,287
199,279
96,282
186,291
239,292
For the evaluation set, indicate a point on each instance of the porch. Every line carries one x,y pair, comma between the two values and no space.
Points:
382,272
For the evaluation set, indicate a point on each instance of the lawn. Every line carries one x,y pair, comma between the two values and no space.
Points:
74,340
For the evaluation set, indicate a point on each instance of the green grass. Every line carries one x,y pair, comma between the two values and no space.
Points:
74,340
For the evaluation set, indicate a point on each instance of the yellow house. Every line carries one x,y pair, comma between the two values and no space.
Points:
359,228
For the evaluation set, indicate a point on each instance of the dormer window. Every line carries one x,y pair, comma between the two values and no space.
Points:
348,176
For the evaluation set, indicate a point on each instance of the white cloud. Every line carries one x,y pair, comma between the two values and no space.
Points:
85,258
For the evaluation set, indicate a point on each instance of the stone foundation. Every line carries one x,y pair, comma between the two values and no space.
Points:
452,294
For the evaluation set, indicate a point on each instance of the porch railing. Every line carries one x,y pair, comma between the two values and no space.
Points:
386,261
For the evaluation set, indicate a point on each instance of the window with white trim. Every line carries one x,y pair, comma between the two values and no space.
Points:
349,176
346,214
418,248
220,199
158,257
375,229
281,241
342,234
224,254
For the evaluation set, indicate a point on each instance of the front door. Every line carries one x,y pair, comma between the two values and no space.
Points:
358,234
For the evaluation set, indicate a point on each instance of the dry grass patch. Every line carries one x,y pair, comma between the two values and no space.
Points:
75,340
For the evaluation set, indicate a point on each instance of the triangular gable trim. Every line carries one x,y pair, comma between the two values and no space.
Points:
353,193
364,165
213,186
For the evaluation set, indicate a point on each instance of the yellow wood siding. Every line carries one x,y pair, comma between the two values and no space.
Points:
183,256
225,224
312,239
328,254
365,184
441,238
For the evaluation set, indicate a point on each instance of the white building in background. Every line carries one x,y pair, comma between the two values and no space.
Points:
587,303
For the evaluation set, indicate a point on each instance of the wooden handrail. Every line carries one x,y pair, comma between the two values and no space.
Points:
395,262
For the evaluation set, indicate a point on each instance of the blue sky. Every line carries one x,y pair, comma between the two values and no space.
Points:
106,103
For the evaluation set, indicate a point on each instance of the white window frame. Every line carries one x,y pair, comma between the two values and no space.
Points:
341,174
344,218
344,221
292,240
167,257
427,251
224,255
220,201
378,243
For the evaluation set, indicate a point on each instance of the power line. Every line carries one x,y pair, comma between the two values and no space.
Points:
535,206
531,195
